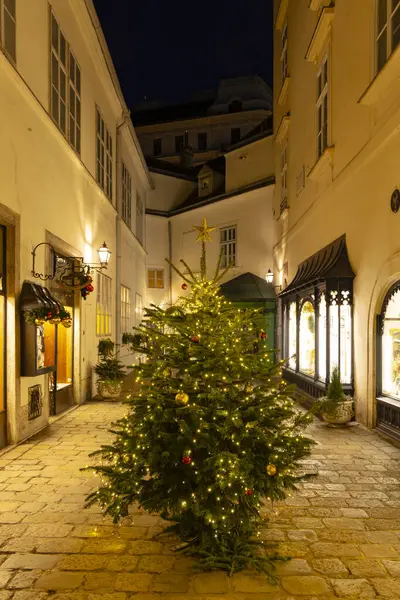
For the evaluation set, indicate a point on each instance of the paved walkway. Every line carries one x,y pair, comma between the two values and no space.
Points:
342,529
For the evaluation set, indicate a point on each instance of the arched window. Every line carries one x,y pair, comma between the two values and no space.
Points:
307,338
390,329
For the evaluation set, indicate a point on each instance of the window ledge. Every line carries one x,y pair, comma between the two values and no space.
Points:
281,16
320,34
324,161
316,4
387,78
284,92
282,129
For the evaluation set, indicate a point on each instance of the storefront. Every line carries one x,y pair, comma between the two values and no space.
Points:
388,364
317,321
3,345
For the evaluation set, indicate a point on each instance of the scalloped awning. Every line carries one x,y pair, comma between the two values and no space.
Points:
331,262
36,296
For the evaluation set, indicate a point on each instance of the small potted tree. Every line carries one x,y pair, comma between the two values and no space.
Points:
335,407
110,372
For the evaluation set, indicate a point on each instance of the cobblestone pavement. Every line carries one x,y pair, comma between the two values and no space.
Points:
342,529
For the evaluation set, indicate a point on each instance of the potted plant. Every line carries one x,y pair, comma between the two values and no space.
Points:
335,407
110,372
105,347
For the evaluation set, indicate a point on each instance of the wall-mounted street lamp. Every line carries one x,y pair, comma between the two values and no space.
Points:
269,276
81,267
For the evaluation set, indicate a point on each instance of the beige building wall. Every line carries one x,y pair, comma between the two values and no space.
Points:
348,189
49,193
249,164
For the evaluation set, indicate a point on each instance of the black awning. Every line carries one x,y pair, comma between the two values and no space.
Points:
248,288
34,296
332,262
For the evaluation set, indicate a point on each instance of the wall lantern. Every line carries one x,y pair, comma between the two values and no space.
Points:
63,263
269,276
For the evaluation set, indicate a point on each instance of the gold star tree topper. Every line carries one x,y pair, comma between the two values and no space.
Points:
204,232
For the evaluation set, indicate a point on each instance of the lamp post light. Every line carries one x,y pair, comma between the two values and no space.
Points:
104,255
269,276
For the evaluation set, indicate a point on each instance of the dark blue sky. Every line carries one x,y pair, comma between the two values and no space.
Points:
168,49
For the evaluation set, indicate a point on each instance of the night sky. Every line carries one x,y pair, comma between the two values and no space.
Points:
168,49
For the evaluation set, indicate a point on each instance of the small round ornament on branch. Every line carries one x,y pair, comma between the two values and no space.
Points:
195,339
271,470
263,335
249,389
248,492
182,398
186,460
184,286
167,372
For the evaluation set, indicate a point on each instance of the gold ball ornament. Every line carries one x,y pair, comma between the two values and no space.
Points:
271,470
67,323
167,372
126,458
182,398
39,322
249,389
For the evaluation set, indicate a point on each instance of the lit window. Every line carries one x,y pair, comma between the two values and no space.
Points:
125,309
388,30
228,246
284,53
8,28
307,339
126,189
103,156
155,278
103,305
139,218
292,334
65,87
138,308
284,166
322,108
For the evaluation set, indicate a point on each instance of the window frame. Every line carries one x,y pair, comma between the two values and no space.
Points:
387,30
179,149
104,170
12,57
126,309
155,271
73,88
226,256
155,142
140,212
103,305
323,105
202,135
126,195
284,64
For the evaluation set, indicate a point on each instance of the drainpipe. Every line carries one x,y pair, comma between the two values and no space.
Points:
170,259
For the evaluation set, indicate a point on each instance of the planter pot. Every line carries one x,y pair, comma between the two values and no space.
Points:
109,390
341,415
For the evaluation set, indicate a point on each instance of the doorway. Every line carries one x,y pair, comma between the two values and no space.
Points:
3,339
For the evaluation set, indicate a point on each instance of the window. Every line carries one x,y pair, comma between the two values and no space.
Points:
202,141
388,30
126,196
322,108
284,167
204,186
179,140
157,146
292,334
65,87
125,309
307,339
8,28
103,156
284,53
139,218
138,308
235,135
228,246
103,305
155,278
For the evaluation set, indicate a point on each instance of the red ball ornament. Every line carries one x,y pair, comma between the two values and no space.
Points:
186,460
49,314
184,286
195,339
263,335
248,492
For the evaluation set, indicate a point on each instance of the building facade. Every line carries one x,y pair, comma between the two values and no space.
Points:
336,130
72,177
206,126
235,193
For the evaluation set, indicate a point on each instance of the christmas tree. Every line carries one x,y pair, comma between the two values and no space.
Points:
211,434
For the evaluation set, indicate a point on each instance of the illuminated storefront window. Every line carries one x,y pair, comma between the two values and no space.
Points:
307,339
292,332
322,326
391,348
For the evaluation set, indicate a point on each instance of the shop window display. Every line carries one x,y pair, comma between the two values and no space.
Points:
322,332
292,334
391,348
307,339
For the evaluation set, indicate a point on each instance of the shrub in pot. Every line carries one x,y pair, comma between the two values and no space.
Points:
335,407
105,347
111,373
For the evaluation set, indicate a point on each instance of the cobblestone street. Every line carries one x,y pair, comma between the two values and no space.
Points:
342,529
